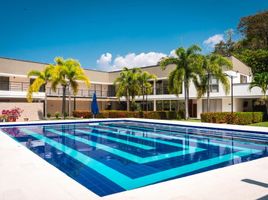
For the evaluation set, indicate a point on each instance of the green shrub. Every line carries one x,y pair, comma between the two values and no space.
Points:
240,118
162,115
57,115
48,115
65,114
128,114
258,117
82,113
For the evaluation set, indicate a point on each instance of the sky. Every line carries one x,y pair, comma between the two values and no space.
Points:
109,34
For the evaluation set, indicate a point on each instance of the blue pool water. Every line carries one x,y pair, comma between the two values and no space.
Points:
115,156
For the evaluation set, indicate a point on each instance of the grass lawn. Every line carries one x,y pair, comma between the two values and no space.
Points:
263,124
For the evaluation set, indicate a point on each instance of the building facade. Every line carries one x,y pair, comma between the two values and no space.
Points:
14,84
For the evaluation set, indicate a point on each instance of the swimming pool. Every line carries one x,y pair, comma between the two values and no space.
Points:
114,156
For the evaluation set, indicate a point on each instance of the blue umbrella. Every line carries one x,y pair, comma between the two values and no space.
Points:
94,105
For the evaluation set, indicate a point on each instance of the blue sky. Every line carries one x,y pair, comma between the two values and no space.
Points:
104,33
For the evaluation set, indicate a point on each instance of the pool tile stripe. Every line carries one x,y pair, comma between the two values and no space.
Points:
124,154
118,140
128,183
155,140
142,128
158,134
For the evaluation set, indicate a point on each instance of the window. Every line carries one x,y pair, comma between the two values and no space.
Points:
111,90
243,78
159,105
214,85
4,83
165,87
159,87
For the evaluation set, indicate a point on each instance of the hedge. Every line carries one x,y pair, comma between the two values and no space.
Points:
240,118
127,114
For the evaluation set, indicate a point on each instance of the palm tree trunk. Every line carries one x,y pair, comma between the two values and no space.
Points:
208,94
266,103
127,99
143,102
70,101
63,100
45,104
186,100
128,102
147,106
132,103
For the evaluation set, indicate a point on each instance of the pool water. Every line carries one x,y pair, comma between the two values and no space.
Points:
115,156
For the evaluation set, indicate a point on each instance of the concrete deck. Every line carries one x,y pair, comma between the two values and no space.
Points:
24,175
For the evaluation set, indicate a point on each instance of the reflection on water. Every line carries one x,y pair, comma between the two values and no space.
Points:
159,137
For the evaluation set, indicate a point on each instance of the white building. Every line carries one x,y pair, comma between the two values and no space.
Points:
14,84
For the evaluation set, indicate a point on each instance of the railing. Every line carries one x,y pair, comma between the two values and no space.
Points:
81,93
14,86
239,90
23,86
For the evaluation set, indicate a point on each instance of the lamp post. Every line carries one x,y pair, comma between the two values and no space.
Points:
232,95
232,75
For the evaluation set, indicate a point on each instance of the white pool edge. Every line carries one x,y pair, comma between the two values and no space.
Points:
173,122
153,191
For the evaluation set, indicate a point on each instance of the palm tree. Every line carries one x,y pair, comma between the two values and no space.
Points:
127,85
146,86
213,66
188,67
261,80
67,73
41,79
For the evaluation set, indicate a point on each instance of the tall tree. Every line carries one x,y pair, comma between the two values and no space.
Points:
127,85
213,66
261,81
188,67
146,86
257,60
67,73
41,80
225,48
254,28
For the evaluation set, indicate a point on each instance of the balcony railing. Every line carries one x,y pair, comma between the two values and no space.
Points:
14,86
23,86
81,93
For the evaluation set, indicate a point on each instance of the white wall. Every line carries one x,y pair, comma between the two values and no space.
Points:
199,108
226,105
32,111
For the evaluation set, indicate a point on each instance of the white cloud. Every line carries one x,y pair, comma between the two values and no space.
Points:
213,40
130,60
105,60
173,53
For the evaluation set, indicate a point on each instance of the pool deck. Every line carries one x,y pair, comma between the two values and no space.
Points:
24,175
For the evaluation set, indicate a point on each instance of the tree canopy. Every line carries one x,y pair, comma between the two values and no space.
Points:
254,29
252,48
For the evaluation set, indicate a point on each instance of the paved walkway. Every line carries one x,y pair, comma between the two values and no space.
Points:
24,176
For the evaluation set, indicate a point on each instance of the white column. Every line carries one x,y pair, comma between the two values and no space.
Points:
154,105
199,108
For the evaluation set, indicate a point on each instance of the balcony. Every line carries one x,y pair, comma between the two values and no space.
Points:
14,86
10,89
242,89
81,93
